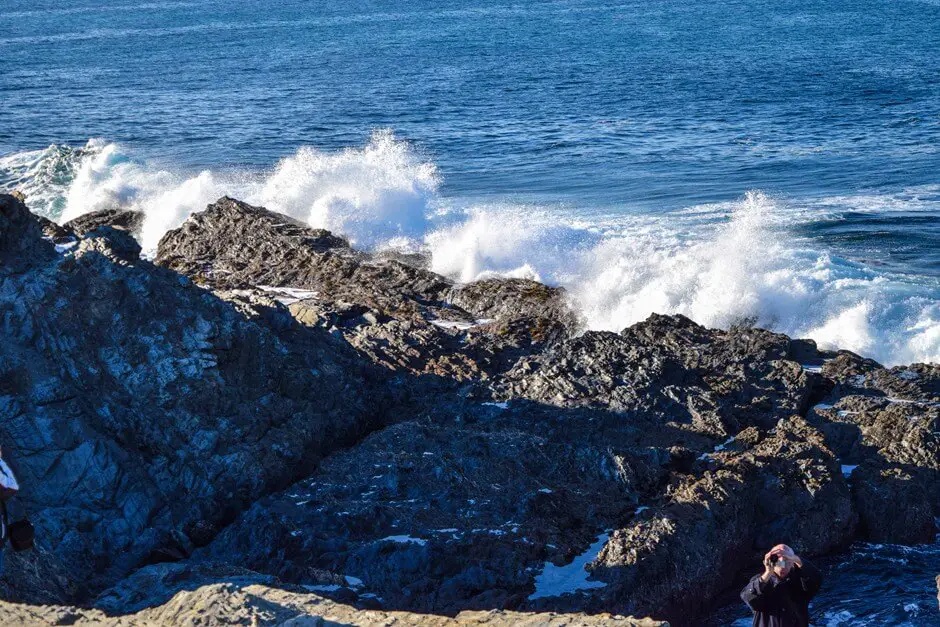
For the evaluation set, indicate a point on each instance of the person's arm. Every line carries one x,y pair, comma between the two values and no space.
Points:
810,578
753,593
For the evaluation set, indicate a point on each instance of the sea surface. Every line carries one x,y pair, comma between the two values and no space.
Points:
774,163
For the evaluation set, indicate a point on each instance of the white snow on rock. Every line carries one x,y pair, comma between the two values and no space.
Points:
460,325
556,581
502,405
321,588
288,295
722,446
404,540
61,248
7,478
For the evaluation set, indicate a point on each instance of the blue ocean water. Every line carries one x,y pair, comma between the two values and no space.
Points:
755,161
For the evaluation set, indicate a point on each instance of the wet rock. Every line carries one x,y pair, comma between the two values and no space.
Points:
509,299
233,244
268,397
123,219
21,235
887,423
443,517
389,307
787,488
715,382
893,506
141,413
117,245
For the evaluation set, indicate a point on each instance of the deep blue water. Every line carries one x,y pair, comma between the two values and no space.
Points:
776,162
761,161
652,104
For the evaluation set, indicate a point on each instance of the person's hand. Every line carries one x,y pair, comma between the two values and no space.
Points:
768,566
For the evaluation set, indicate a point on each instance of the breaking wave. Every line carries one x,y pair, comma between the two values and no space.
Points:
752,261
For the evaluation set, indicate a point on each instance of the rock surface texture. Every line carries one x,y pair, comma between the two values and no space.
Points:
267,426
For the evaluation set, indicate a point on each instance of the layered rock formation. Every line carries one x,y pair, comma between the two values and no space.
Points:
142,413
265,396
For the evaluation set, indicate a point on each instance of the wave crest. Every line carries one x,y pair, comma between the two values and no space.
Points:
721,265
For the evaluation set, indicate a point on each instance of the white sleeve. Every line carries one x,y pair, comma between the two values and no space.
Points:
7,480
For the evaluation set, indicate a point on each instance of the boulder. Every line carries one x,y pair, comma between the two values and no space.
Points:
786,488
123,219
142,413
714,382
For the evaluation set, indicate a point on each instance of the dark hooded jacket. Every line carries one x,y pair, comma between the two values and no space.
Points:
783,602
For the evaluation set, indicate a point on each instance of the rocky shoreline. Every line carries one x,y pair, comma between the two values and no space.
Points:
351,425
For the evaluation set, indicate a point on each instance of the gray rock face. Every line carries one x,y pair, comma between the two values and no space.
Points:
886,422
142,413
266,406
123,219
401,316
785,487
714,382
455,513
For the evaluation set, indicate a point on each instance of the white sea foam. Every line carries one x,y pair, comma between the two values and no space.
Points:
372,195
720,264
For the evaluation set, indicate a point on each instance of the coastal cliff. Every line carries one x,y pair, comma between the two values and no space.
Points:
262,405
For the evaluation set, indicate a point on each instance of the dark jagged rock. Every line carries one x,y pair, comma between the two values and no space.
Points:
509,299
225,412
717,382
21,235
887,422
787,488
141,413
394,312
893,505
124,219
457,513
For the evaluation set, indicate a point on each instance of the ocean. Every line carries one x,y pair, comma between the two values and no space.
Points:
742,162
768,163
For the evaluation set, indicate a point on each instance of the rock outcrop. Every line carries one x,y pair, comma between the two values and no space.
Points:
401,316
885,426
264,408
141,412
124,219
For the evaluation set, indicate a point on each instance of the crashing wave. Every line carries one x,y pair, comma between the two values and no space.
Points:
721,264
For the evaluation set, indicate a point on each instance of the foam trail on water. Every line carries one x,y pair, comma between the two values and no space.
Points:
739,262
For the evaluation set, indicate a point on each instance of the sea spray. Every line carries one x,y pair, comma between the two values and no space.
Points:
748,261
371,195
